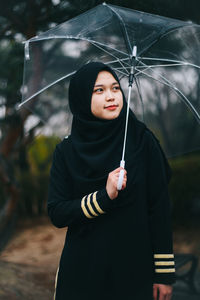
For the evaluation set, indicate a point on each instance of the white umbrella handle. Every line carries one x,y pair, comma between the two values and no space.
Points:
121,176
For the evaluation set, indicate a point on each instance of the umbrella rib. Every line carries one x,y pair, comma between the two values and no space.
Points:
174,62
139,71
107,46
155,66
124,68
177,91
146,67
75,38
167,65
49,85
170,60
121,59
117,59
43,89
164,78
116,69
123,26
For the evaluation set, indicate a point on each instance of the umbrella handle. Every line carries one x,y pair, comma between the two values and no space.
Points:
121,176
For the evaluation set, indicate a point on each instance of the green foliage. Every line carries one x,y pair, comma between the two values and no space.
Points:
34,182
40,154
185,188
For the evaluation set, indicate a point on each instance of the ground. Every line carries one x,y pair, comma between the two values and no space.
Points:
29,262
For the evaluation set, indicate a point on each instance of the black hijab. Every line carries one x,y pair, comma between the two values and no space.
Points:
94,147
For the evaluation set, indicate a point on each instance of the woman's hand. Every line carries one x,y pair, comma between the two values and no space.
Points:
162,291
111,185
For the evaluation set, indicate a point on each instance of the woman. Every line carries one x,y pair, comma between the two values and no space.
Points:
119,243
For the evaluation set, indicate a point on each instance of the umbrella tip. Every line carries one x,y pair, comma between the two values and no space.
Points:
104,3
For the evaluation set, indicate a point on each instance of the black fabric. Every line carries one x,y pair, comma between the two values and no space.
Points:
110,256
95,147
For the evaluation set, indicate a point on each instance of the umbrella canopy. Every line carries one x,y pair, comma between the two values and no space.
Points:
162,54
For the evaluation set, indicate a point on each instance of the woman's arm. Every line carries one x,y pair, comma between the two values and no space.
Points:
159,210
63,210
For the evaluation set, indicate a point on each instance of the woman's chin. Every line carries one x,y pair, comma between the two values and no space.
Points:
110,116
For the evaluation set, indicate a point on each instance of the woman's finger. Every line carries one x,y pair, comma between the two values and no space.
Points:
117,175
155,292
118,170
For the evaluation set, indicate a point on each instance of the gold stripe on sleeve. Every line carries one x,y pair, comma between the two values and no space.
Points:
84,208
164,263
96,204
90,206
163,255
164,270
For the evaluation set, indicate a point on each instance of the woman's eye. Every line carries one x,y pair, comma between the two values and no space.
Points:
99,90
116,88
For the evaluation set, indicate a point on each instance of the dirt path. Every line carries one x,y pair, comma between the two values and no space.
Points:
28,264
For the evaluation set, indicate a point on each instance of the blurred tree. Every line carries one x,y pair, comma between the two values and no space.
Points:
19,20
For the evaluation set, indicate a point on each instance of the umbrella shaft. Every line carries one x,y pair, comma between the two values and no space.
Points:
131,76
126,126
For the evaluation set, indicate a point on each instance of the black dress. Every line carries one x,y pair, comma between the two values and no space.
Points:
127,248
114,249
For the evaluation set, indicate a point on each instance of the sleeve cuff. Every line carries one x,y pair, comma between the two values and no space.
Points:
96,204
164,278
164,269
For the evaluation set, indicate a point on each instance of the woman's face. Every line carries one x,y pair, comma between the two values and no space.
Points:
107,99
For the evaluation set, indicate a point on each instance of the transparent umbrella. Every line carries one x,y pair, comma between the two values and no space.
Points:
157,58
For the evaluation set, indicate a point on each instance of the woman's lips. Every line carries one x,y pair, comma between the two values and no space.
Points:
112,107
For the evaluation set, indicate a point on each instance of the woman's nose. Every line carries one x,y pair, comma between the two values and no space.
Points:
109,95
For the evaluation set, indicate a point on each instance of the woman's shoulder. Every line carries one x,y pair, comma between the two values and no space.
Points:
153,146
150,139
143,135
61,153
62,145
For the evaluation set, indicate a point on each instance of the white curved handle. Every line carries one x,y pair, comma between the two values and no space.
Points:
120,180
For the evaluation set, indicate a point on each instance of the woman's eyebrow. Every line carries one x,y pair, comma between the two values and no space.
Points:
98,85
